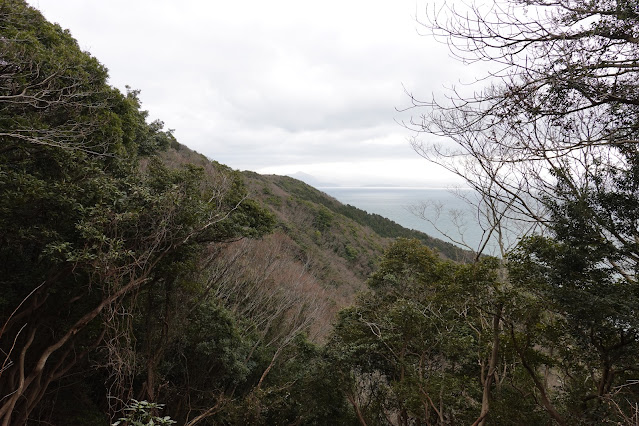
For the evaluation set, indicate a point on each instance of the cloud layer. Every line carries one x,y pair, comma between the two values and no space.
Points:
275,86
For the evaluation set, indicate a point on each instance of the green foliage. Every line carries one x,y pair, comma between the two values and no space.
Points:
351,252
274,201
55,95
302,391
588,331
578,295
323,218
140,413
556,141
103,244
89,217
381,225
213,342
414,339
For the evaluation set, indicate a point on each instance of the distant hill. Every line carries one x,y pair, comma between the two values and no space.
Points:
341,242
311,180
338,245
382,226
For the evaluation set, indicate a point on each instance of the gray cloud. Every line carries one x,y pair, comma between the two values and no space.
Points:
258,85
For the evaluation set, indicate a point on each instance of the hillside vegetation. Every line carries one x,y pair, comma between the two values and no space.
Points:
337,246
380,225
144,284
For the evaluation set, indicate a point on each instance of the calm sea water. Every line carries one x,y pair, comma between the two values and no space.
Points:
449,214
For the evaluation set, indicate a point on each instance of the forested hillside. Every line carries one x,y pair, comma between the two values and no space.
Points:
143,283
334,247
382,226
134,268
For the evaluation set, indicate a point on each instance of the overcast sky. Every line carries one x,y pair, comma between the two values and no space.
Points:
275,86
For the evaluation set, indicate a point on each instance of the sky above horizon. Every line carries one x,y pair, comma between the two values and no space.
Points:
277,87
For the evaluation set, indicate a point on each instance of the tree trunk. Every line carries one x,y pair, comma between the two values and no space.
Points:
355,405
545,401
492,366
35,376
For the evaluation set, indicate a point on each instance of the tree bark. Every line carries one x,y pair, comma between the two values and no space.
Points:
355,405
492,366
545,401
36,373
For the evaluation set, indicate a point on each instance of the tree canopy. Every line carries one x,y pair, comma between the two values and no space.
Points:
550,145
134,280
88,216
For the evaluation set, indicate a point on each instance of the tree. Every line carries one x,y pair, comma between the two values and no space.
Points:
424,345
212,339
140,413
561,100
88,216
586,276
552,142
49,94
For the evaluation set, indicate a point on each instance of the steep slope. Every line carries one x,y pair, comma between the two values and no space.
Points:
135,269
339,251
380,225
320,256
335,247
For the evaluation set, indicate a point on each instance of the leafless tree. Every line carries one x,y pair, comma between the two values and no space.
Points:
560,98
558,106
261,282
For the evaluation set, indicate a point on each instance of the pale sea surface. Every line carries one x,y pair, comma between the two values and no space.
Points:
395,204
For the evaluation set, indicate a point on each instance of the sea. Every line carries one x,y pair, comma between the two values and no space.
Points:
439,212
